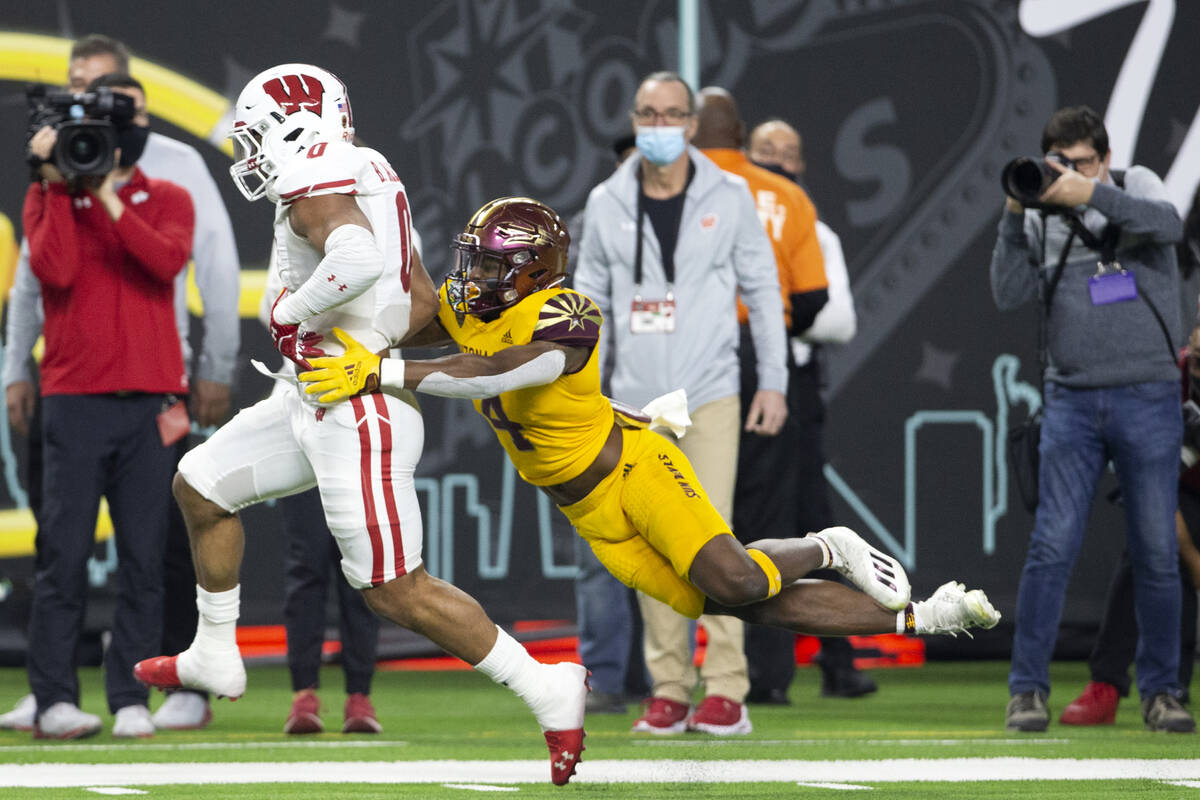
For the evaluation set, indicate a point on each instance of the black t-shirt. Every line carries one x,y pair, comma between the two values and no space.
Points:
665,216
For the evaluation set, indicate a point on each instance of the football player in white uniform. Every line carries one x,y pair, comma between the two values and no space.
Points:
343,250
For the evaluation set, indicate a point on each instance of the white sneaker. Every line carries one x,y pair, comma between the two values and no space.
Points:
65,721
876,573
182,711
21,716
561,708
952,609
133,722
221,673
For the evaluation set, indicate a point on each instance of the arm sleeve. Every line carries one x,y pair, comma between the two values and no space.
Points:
160,246
1013,269
24,323
1143,208
538,371
217,274
50,229
758,279
351,265
836,321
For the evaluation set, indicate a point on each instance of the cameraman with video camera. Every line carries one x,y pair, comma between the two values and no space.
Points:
1096,247
105,243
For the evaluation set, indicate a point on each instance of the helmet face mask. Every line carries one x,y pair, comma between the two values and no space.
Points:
511,248
281,112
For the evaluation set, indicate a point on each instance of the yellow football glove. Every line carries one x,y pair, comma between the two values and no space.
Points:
335,378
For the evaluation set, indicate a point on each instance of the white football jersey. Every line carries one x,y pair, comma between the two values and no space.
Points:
379,317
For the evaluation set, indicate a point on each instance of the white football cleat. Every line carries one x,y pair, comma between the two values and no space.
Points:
221,673
953,610
876,573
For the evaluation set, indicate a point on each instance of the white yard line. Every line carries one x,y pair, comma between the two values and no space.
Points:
707,743
288,744
602,771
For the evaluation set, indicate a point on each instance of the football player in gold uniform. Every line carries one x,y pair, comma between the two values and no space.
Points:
530,363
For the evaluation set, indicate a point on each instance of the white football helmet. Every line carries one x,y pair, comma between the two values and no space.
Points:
282,112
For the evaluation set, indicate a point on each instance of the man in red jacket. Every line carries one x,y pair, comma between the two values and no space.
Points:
106,250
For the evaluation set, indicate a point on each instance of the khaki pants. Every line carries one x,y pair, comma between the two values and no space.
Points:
711,446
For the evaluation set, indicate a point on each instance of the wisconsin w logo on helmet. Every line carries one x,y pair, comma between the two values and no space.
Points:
296,93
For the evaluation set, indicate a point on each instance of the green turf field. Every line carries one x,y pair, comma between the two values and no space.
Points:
930,732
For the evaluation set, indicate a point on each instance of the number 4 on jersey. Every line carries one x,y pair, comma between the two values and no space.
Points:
494,413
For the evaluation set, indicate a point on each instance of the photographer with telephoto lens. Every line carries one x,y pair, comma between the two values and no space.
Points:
105,246
1099,255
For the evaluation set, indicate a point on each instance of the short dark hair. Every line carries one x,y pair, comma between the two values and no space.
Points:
623,143
1075,124
665,75
97,44
117,80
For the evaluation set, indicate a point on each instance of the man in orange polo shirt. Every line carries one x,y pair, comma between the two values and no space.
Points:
766,462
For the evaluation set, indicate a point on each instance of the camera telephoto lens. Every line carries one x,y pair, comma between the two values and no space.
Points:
1024,179
84,148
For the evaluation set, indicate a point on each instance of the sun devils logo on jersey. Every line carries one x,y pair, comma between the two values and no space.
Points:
296,93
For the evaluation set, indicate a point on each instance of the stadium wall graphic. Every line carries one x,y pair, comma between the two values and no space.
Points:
908,111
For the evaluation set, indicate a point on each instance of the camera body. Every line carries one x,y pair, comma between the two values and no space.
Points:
87,124
1025,179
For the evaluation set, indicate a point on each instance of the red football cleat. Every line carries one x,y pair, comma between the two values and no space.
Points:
158,673
566,751
1097,705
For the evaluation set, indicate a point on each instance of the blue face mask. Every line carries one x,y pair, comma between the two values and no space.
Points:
660,145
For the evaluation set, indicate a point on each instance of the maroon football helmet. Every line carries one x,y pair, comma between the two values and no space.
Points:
511,248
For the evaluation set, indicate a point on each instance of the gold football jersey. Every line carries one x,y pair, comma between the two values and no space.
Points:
553,432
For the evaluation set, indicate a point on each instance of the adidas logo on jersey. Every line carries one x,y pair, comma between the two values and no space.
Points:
506,338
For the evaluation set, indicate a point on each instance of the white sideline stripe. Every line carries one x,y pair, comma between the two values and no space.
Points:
709,743
602,771
845,787
289,744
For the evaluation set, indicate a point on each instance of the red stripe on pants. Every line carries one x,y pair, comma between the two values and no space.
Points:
364,471
389,496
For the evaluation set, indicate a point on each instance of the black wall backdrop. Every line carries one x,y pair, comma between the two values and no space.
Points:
908,111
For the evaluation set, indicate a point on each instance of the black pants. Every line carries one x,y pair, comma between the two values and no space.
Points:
1116,644
99,445
311,558
780,493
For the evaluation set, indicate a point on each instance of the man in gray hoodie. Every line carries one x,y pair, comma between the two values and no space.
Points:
1100,248
668,242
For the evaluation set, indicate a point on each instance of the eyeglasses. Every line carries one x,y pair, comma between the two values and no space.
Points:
648,116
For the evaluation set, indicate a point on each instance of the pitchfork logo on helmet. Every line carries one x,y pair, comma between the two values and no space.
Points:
511,248
281,113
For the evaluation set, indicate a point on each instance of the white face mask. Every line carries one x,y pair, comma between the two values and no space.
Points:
661,145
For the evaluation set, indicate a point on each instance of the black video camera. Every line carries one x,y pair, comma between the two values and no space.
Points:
87,125
1025,179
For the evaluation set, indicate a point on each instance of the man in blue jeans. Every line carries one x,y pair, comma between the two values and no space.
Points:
1100,247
